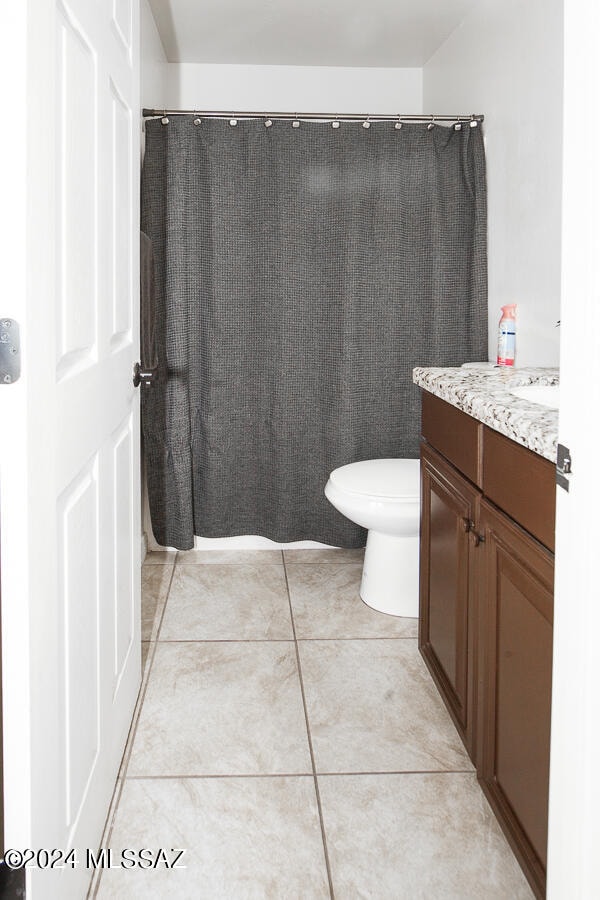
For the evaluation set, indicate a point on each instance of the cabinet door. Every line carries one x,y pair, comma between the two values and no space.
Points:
516,644
449,506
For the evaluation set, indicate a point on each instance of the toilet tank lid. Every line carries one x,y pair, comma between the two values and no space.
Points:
379,477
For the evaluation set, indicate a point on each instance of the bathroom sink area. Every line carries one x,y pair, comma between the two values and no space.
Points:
544,394
489,394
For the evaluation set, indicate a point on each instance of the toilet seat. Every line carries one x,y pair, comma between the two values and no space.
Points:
379,479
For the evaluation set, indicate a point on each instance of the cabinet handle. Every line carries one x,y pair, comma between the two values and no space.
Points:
467,524
477,538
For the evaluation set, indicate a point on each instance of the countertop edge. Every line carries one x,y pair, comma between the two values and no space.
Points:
484,395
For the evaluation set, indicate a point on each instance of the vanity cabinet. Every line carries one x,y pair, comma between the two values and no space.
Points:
486,601
449,504
516,604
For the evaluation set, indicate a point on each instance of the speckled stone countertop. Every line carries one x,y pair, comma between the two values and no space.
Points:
484,394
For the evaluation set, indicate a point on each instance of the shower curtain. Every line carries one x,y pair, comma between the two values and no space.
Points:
301,273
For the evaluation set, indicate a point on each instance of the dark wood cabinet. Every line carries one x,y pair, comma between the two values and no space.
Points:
516,651
486,603
449,504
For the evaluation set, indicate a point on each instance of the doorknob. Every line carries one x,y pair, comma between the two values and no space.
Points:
140,375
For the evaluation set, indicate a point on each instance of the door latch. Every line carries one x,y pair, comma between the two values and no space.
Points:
563,466
10,351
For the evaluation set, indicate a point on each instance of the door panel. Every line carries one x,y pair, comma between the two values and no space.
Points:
76,195
517,631
71,592
78,589
446,636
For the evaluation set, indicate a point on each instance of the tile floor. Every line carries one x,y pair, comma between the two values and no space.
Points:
292,742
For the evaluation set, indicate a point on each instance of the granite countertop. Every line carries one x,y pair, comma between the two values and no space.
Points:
484,394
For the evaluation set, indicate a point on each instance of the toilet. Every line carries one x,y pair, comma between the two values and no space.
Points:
383,495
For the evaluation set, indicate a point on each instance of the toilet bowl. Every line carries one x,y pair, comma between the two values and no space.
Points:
383,495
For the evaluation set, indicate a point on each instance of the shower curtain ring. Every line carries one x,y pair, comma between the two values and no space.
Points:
268,123
296,122
473,122
197,120
164,119
366,123
233,120
431,124
398,124
335,124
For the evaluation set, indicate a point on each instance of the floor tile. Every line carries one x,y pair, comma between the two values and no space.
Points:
229,557
246,838
416,837
372,707
326,604
155,587
160,558
218,602
222,709
321,556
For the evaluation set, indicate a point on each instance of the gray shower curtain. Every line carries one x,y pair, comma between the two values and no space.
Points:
301,273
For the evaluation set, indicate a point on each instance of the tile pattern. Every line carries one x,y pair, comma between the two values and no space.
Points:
416,836
243,837
216,602
484,394
326,604
372,707
290,740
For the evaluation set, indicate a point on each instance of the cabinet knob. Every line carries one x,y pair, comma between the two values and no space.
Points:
477,538
466,524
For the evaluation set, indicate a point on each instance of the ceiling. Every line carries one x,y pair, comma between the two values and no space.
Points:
306,32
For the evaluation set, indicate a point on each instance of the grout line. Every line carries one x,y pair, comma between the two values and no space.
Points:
275,640
310,743
94,885
220,775
143,688
402,772
122,773
225,564
162,615
198,777
390,637
226,641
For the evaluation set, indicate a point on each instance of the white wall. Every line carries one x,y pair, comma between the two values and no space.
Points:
153,92
294,89
505,60
154,66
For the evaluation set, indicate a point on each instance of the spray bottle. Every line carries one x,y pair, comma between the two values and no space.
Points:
507,328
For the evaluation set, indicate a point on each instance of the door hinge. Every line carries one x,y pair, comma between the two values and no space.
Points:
10,351
563,466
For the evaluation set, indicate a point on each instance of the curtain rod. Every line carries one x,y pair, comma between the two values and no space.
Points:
352,117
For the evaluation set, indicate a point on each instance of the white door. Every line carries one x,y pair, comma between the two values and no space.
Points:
574,826
69,446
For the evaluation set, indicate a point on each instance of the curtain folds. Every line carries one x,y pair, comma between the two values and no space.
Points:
301,273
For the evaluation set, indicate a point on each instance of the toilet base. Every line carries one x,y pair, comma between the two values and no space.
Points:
390,579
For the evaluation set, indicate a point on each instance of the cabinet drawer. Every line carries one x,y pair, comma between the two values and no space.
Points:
454,434
521,483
